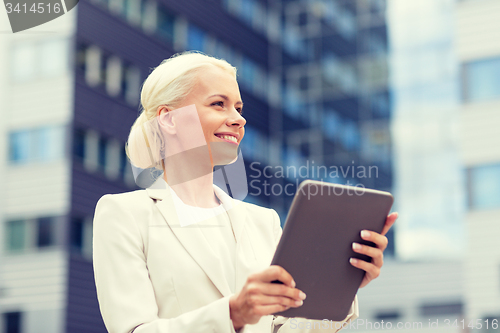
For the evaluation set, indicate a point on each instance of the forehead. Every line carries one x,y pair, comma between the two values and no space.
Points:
216,80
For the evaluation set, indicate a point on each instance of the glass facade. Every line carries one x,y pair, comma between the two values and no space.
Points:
41,59
482,80
43,144
484,186
424,74
15,235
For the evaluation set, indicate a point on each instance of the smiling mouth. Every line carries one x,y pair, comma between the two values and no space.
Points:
227,138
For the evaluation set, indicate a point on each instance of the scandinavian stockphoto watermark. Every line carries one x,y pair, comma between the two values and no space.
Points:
26,14
262,179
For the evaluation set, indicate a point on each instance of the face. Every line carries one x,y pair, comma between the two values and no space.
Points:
218,103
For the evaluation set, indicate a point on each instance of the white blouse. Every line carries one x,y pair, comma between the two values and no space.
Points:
217,229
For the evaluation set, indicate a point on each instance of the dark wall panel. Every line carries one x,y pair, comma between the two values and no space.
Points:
82,310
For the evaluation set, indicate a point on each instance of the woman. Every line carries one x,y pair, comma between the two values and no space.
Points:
182,255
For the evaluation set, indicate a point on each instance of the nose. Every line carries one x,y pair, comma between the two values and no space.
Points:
236,119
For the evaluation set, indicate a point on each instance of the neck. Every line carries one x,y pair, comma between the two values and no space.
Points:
198,192
191,177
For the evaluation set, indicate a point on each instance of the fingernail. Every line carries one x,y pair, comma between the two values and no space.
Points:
353,260
302,295
356,246
299,303
293,284
365,234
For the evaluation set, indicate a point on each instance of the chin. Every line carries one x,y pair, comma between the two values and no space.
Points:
223,153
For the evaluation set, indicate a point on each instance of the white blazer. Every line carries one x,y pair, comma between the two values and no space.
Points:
154,275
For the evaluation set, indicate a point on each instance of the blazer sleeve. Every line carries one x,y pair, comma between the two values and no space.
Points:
124,290
300,325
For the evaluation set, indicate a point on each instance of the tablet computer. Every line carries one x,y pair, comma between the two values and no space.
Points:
316,245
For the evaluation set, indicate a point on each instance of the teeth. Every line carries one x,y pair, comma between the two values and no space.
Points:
229,137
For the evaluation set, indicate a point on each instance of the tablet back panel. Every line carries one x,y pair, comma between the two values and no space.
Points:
323,222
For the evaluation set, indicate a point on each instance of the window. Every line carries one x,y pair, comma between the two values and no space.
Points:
247,72
45,234
50,142
332,124
112,168
350,135
77,226
26,234
247,10
124,164
376,142
196,38
103,143
116,6
149,18
19,145
113,76
41,144
133,11
93,65
346,24
15,235
32,60
165,24
482,80
254,138
292,101
54,57
12,322
484,186
81,236
103,155
24,61
79,144
387,316
431,310
374,72
132,85
250,11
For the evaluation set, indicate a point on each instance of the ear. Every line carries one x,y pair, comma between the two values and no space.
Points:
166,119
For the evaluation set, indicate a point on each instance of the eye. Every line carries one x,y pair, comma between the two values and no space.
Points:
219,103
240,110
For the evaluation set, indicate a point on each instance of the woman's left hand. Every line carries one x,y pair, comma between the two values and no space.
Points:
377,252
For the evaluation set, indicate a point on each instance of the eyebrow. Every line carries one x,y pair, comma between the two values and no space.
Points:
226,98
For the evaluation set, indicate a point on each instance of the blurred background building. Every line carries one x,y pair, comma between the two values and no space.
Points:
478,50
425,84
314,76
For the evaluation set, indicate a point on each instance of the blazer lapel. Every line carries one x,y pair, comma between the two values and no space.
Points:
191,236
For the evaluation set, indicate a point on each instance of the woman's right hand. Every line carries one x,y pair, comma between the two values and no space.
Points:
259,297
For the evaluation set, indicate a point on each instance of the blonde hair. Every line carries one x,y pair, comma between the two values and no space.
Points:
168,84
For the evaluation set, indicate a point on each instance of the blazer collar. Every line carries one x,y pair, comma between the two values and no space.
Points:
191,236
234,208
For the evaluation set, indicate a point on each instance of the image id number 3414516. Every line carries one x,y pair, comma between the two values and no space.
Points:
473,324
36,8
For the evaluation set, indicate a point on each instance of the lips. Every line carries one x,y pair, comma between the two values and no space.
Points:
227,137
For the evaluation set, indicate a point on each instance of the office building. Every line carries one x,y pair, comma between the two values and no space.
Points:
478,49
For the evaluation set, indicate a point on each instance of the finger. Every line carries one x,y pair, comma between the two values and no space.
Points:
276,272
270,300
372,236
282,290
375,253
371,270
265,310
389,223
